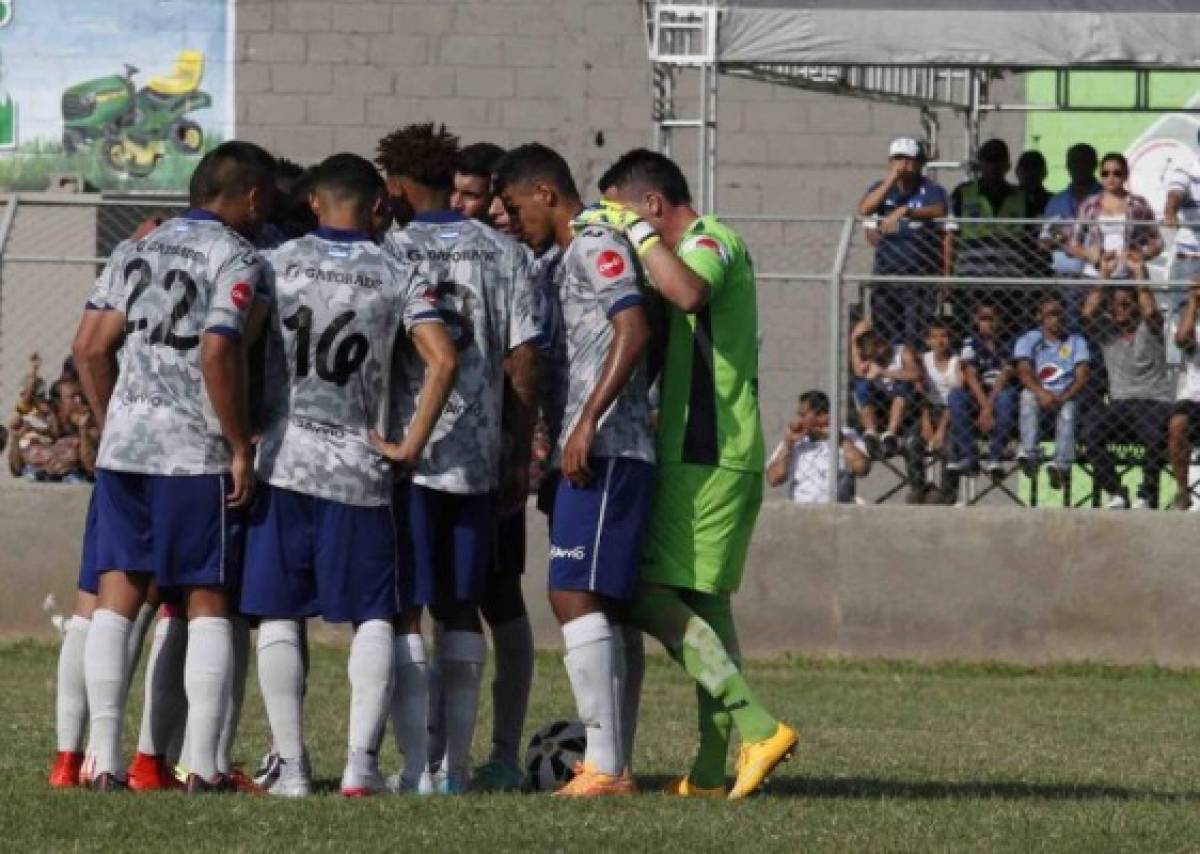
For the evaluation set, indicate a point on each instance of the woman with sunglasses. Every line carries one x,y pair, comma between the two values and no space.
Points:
1116,229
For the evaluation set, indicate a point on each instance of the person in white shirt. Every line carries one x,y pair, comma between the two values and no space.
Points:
1186,412
941,375
801,460
1182,211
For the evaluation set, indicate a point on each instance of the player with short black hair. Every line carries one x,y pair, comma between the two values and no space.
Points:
605,451
175,466
321,537
472,194
710,479
463,480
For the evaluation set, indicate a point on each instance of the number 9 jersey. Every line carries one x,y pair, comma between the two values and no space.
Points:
340,304
190,276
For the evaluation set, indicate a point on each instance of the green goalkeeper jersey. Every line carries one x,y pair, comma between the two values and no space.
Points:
709,401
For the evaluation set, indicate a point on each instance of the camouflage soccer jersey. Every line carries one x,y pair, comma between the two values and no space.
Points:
340,304
551,340
482,282
99,294
598,278
190,276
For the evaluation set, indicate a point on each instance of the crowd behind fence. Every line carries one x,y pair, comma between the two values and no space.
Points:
968,368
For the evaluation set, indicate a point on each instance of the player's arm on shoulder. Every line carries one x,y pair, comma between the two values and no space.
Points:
687,278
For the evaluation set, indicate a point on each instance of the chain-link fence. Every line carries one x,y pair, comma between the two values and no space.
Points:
1031,361
967,361
51,249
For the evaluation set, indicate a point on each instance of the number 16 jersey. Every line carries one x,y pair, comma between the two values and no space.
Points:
340,303
190,276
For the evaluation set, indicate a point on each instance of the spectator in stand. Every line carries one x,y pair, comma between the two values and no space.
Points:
55,437
1031,174
1081,166
1185,416
1130,339
1115,225
904,204
941,370
1182,211
1052,365
801,460
984,247
988,400
886,377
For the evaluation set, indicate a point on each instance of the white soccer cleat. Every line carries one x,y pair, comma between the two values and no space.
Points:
425,785
292,779
361,777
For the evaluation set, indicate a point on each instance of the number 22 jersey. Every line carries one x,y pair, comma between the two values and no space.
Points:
190,276
340,303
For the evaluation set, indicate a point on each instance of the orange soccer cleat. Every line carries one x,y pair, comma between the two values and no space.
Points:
149,773
242,782
758,759
65,773
590,783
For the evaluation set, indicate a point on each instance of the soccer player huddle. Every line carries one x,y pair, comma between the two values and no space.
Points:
335,417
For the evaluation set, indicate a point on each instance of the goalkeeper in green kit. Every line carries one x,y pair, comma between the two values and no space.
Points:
709,483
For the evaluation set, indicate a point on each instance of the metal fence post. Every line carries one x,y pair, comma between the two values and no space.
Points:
835,353
6,224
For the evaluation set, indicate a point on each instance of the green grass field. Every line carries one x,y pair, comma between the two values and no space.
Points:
898,758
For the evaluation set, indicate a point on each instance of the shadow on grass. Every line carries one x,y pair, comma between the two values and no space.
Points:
851,788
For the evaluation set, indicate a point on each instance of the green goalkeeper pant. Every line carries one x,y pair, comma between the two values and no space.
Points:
697,630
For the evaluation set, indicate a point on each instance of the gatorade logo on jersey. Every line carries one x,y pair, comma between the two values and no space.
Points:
242,295
610,264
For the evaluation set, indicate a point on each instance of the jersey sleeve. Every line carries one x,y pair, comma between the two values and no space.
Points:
239,278
1080,353
419,301
523,325
102,291
707,257
609,267
1179,181
1023,349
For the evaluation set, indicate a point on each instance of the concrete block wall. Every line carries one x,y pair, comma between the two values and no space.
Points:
316,77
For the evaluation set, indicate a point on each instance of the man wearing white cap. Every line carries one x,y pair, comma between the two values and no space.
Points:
906,241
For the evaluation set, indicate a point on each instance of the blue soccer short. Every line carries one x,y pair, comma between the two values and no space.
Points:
446,544
596,530
174,527
307,556
89,577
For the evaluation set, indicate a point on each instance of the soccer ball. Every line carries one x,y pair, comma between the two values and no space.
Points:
552,753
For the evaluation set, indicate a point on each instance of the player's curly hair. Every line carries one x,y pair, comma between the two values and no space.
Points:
422,152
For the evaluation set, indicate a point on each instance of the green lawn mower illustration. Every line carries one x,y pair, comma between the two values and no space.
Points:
131,129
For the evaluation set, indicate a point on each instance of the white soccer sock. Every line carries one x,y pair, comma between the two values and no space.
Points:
589,661
634,656
513,643
370,671
237,692
281,680
105,666
462,671
410,705
71,704
206,678
137,636
436,715
164,700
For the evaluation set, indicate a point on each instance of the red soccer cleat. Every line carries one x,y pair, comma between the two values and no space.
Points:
242,782
65,773
150,774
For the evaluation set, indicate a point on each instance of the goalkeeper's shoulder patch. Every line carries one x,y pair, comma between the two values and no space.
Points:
704,243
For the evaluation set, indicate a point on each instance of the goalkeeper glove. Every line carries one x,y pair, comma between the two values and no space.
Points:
614,215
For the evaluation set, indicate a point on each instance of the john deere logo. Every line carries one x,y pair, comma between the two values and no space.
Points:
6,12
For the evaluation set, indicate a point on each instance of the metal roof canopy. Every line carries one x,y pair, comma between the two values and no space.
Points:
872,49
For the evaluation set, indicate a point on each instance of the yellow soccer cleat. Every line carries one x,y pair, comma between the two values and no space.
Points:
590,783
758,759
682,787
